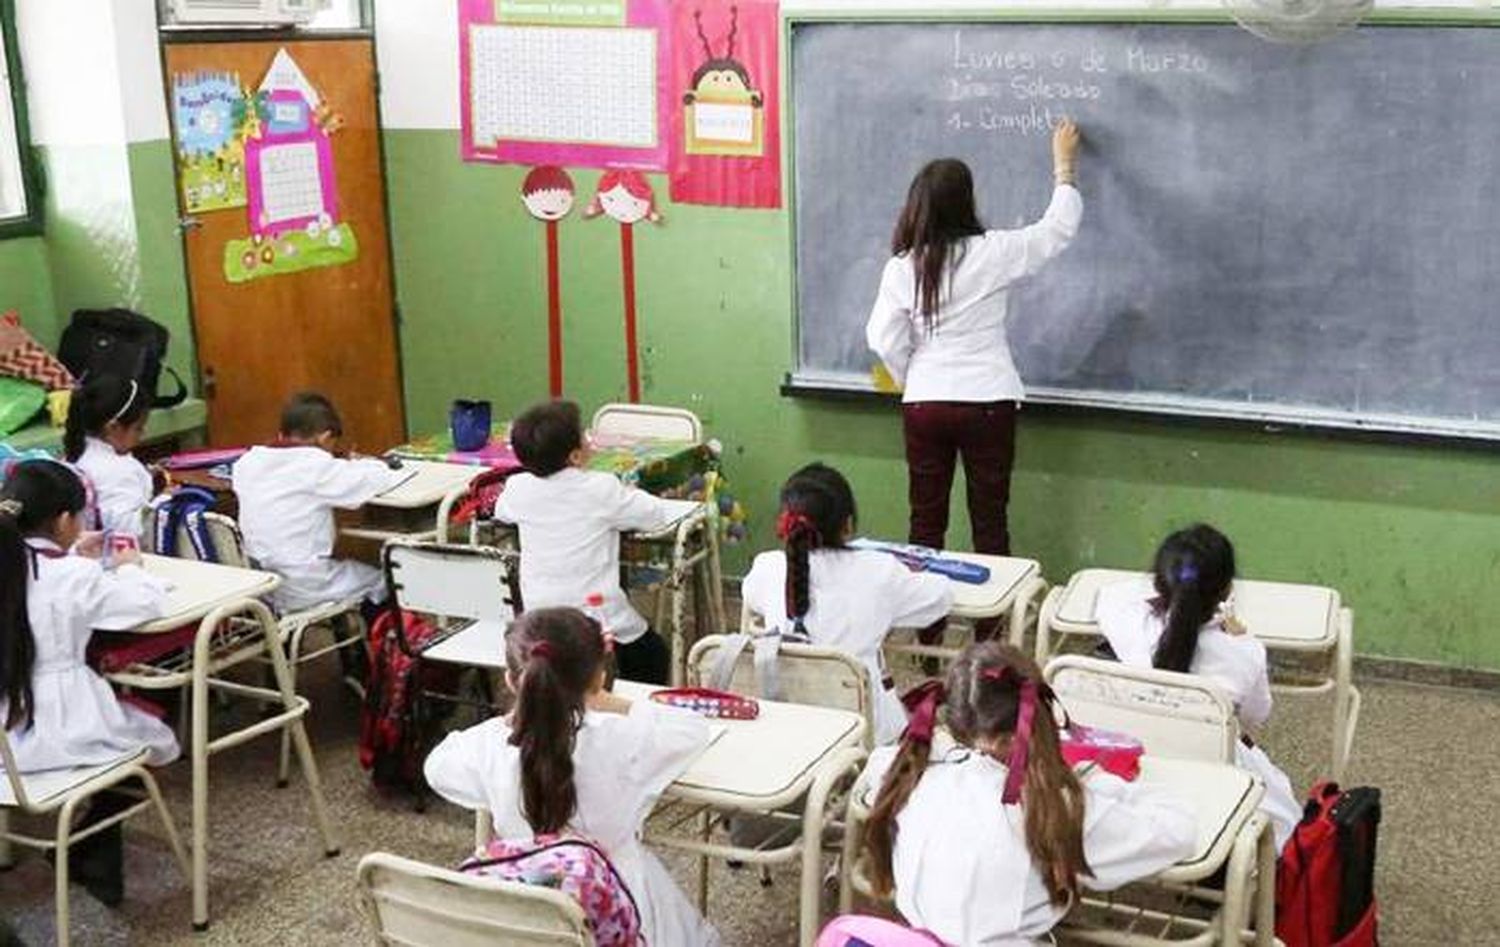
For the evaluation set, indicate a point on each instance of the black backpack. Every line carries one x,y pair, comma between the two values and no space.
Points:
119,342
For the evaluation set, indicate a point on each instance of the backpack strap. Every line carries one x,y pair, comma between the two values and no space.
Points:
729,656
175,398
767,661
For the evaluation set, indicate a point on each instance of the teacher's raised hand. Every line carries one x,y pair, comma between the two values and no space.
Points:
1065,138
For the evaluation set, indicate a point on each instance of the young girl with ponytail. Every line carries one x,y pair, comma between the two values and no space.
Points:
572,757
1182,620
56,711
106,419
839,597
986,841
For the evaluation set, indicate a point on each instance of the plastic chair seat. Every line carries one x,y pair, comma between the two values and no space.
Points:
48,789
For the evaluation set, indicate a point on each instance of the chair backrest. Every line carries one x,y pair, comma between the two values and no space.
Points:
807,674
16,794
1175,715
647,420
453,582
223,532
419,905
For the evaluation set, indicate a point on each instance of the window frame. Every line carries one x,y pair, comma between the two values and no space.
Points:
31,223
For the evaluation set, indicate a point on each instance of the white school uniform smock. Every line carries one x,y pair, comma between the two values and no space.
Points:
966,357
1236,663
621,765
570,525
856,596
77,720
287,496
122,486
961,866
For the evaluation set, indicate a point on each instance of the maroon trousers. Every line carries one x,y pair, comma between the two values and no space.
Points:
983,436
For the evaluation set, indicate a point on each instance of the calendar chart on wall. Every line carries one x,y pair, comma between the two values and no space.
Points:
567,83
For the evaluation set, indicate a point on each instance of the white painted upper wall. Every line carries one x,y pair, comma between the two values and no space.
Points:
417,42
93,73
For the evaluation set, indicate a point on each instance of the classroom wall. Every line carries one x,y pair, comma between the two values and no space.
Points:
1404,531
98,119
25,282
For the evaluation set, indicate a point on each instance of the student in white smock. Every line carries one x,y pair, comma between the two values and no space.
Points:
987,838
106,420
287,493
57,712
1183,620
572,756
842,598
570,520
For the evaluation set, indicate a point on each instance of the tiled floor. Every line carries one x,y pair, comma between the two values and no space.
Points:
1427,748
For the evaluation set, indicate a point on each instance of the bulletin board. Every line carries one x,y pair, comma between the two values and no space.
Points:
565,82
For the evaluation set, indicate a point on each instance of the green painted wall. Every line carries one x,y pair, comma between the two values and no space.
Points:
26,283
1407,533
110,231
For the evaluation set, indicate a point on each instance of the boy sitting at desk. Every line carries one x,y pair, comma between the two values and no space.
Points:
288,491
570,520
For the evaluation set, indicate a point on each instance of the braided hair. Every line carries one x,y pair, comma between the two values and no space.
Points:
817,508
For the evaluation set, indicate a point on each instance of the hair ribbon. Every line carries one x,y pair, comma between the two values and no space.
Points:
922,704
11,508
791,523
1020,744
541,651
135,390
1187,572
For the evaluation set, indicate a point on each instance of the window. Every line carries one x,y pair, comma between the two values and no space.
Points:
19,212
340,15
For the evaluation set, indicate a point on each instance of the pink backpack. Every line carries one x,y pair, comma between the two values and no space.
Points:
578,868
861,930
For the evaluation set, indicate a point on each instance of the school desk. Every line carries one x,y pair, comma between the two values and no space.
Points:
1013,588
758,767
1285,617
1232,835
408,510
234,627
653,464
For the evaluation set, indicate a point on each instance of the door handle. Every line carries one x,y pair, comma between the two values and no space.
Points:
188,222
210,383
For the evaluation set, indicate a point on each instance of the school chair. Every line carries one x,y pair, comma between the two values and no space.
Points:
646,420
417,905
64,792
1305,623
469,594
1183,716
342,620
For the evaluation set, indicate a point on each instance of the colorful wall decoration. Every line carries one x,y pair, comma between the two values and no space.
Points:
726,124
548,193
291,187
568,82
626,197
210,116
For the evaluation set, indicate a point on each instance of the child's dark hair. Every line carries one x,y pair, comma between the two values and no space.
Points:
1194,574
554,654
308,414
939,212
546,435
100,400
817,505
33,496
985,692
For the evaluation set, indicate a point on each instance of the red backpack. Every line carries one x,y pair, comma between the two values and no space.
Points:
391,742
1325,885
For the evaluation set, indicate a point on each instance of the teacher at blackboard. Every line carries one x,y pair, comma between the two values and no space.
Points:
938,327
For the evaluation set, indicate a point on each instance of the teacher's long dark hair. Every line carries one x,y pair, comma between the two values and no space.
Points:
939,212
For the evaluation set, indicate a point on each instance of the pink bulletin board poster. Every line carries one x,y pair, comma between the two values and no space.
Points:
581,83
289,169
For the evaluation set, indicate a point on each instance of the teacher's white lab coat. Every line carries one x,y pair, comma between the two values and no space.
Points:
856,597
961,866
622,763
122,486
77,720
1236,663
287,496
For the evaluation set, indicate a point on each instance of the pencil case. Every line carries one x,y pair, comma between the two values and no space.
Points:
709,703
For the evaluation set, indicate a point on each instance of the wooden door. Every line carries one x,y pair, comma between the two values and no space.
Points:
329,329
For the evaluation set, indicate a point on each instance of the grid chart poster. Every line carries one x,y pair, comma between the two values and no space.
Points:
556,82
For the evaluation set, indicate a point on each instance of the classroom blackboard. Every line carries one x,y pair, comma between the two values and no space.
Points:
1305,234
